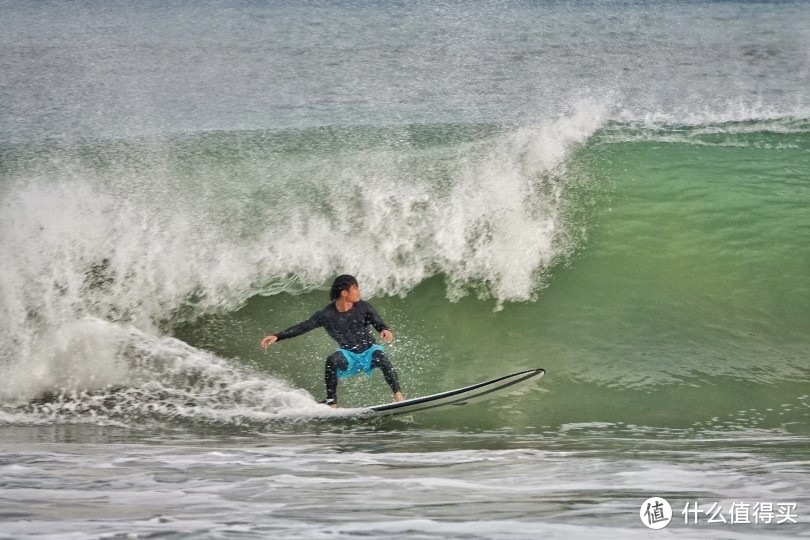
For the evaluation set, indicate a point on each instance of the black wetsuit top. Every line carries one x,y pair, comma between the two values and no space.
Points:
349,329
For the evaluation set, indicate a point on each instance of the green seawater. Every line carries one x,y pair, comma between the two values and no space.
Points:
684,304
617,192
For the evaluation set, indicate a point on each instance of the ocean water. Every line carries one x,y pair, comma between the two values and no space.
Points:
617,192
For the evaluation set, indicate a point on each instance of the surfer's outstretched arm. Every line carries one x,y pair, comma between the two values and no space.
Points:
301,328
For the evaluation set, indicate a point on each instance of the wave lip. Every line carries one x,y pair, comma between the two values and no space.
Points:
136,233
747,132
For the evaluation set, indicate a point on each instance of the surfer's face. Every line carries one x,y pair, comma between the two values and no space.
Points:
353,294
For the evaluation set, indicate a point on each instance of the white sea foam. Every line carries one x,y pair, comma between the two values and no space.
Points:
298,490
97,371
95,256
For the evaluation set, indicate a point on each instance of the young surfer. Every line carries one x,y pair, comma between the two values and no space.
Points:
346,320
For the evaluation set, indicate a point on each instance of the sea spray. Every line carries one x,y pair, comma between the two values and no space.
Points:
119,240
108,372
211,160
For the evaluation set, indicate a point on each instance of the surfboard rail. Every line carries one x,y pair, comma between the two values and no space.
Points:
459,396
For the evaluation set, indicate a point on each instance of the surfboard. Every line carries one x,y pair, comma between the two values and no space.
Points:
460,396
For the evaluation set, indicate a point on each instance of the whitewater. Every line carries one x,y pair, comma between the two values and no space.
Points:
615,192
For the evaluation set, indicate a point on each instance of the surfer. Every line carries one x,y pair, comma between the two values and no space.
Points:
346,319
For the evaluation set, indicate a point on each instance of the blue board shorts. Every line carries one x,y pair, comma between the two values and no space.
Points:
358,362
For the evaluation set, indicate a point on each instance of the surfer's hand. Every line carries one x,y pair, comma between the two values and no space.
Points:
387,336
269,340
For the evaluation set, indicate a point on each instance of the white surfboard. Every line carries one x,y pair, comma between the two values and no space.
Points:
458,397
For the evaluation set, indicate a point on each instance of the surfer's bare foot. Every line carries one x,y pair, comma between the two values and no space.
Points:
398,396
331,402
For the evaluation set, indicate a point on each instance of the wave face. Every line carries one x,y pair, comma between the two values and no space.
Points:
141,233
538,196
628,257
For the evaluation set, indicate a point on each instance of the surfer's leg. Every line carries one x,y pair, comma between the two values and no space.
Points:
379,360
335,362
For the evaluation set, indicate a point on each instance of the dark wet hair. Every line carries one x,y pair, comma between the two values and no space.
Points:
342,283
